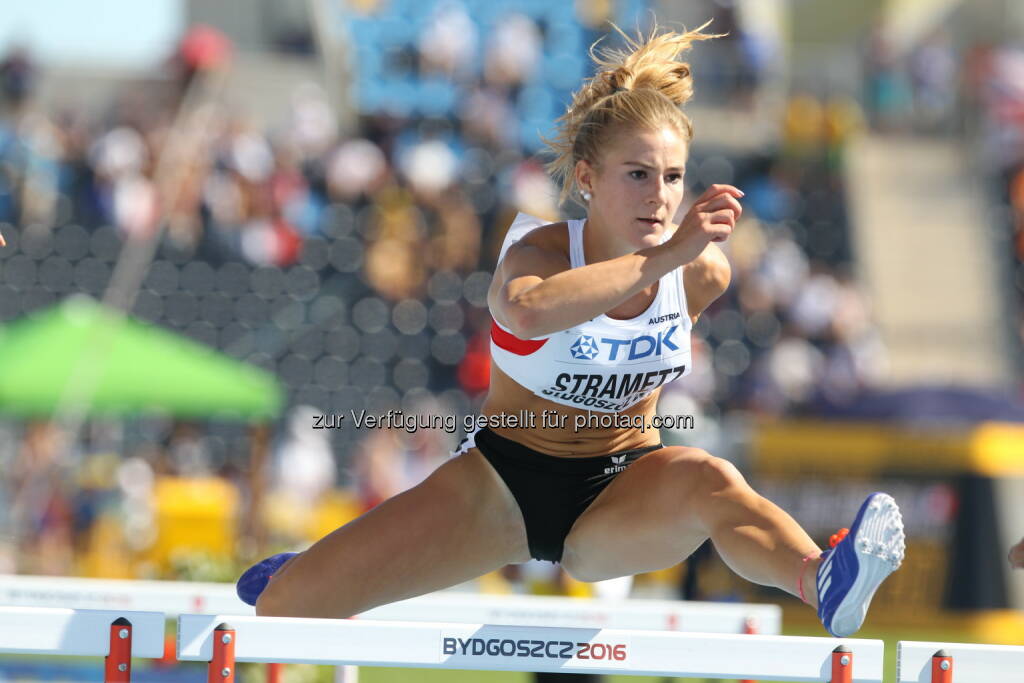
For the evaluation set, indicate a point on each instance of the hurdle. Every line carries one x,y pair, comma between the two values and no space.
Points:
223,640
178,598
117,636
183,597
923,662
170,597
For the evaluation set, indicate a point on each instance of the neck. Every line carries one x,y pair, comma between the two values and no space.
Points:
599,243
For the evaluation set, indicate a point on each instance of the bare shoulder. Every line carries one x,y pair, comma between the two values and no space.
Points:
538,255
546,247
706,278
551,237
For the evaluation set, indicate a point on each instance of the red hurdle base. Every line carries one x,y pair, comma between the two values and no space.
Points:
749,627
222,666
942,667
118,664
842,665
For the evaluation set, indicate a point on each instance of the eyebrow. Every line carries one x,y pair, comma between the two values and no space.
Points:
643,165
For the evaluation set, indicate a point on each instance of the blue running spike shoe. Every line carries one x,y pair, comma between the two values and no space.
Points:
255,578
854,569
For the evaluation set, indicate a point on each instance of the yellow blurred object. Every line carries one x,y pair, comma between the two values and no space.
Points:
197,514
803,124
283,517
594,13
577,589
107,556
790,446
843,119
335,509
494,583
1003,626
301,522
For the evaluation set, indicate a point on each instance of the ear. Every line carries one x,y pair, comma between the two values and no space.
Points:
584,174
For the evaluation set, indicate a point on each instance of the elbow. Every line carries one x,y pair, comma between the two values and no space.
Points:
523,323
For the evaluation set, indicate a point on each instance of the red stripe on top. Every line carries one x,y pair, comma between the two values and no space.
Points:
513,344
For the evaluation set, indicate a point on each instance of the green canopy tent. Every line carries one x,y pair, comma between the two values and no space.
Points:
81,358
133,368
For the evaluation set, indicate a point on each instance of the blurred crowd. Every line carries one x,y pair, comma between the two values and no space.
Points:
939,87
993,75
354,264
915,89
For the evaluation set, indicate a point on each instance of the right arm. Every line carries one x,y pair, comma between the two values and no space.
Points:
535,292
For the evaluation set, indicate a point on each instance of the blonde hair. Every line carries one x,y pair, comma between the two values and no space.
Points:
644,86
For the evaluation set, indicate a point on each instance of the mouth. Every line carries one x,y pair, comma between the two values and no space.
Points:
650,221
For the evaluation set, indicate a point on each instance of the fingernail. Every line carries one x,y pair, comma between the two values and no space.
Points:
742,193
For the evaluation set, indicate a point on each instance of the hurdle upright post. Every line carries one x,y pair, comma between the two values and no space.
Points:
749,627
842,665
118,663
942,667
222,666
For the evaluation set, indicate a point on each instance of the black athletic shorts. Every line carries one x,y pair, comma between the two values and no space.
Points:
552,491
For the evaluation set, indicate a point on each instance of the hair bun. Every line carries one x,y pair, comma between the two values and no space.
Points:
649,63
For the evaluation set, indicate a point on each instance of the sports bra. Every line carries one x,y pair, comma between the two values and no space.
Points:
604,364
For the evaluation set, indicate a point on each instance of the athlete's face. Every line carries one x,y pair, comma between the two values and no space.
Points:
637,185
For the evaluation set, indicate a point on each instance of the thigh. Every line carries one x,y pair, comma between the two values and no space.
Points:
459,523
644,520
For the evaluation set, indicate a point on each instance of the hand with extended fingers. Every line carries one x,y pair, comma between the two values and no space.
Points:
711,219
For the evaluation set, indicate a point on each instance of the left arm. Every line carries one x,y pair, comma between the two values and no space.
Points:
705,279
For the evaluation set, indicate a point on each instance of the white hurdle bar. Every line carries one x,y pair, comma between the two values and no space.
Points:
629,613
176,598
922,662
223,640
170,597
115,635
183,597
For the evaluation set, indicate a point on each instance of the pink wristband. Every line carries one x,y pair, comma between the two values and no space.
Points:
800,579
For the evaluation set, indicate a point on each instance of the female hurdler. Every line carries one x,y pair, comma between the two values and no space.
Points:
592,317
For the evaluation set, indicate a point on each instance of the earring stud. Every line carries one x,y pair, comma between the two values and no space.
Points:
586,196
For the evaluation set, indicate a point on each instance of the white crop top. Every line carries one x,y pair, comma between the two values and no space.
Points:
604,364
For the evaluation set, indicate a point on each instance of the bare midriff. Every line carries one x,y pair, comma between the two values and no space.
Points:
509,398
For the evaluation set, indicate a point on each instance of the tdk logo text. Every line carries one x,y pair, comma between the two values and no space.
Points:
586,348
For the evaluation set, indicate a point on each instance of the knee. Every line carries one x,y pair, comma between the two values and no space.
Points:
701,474
720,492
718,475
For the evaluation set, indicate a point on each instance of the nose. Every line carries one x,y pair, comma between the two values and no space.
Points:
659,195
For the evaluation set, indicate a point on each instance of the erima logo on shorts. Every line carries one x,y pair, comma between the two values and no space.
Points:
618,464
587,348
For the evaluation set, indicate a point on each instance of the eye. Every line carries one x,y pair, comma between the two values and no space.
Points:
674,177
638,175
